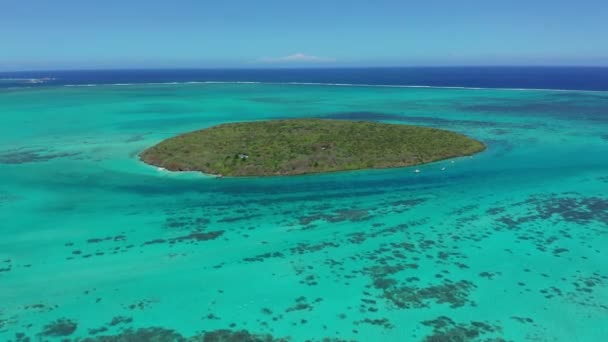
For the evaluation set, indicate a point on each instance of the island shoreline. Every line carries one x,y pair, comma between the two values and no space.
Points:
233,149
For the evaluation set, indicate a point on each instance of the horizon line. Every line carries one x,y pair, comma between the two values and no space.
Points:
310,67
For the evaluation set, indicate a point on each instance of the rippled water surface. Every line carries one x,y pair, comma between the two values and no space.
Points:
508,244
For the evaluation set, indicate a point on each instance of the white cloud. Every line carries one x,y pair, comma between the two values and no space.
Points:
296,58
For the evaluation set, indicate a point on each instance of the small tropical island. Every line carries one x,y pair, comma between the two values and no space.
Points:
305,146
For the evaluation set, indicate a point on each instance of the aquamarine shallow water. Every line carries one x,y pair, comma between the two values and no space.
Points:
508,244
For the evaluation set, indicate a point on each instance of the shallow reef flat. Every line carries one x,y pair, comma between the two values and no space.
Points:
506,245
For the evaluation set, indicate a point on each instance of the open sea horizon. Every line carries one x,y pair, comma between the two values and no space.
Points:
511,77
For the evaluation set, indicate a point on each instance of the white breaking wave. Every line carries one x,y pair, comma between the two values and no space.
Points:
335,85
27,80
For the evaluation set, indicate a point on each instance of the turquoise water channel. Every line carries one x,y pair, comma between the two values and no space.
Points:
509,244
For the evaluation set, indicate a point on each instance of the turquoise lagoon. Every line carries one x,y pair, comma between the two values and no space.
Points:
507,245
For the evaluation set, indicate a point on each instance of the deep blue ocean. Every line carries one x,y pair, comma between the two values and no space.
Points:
567,78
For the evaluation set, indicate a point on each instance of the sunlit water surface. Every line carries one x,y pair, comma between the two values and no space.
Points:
509,244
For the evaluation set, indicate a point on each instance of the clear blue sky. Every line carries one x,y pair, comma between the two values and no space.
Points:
52,34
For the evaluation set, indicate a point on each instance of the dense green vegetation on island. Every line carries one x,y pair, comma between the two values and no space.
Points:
300,146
